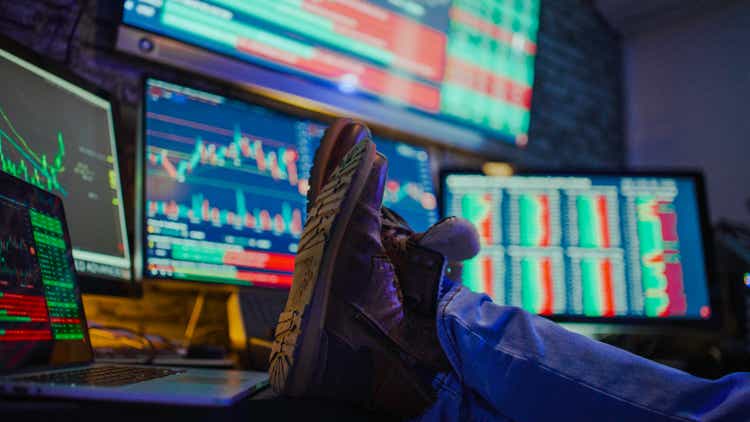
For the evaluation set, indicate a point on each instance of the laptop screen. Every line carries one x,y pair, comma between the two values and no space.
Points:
41,317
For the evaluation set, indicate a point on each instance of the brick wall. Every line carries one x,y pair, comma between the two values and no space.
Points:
576,117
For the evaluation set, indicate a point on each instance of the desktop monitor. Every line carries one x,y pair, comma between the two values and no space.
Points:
409,189
589,247
460,72
59,135
224,185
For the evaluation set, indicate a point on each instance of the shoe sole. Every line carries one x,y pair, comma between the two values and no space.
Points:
322,155
324,152
296,347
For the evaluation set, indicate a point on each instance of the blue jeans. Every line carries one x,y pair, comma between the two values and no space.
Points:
511,365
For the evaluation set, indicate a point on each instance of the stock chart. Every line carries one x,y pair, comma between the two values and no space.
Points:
226,185
39,300
59,137
463,61
599,246
409,188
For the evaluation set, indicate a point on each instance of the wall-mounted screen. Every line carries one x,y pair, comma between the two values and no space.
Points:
465,63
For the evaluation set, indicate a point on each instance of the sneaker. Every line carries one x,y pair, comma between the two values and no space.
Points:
344,333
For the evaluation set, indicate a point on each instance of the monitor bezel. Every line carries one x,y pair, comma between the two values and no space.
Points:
88,283
713,286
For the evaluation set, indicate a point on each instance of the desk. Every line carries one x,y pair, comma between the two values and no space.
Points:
263,406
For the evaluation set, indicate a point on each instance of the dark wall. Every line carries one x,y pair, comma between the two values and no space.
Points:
576,117
576,113
688,85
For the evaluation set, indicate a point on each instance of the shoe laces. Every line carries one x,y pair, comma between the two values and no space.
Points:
396,232
392,221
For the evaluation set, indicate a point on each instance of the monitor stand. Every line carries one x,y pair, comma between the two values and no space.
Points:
252,315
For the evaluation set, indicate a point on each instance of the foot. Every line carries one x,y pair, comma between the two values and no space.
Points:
344,333
337,140
421,259
454,237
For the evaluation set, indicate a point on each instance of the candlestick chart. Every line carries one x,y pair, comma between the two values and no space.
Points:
242,154
225,186
227,177
288,220
409,189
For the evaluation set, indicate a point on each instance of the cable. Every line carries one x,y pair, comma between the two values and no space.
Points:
115,333
74,30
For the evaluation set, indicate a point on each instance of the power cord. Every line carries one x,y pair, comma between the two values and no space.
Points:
105,338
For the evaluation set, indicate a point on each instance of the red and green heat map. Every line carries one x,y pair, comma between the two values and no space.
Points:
467,60
599,246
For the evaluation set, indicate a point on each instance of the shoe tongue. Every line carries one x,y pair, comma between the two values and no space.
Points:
392,220
454,237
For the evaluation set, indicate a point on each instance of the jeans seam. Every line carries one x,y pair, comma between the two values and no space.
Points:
452,344
444,386
566,376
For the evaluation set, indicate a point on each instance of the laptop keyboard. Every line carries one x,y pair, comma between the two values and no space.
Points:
101,376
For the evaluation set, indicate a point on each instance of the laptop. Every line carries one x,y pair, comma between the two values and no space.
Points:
44,342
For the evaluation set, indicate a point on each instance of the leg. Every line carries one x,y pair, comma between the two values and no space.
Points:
526,368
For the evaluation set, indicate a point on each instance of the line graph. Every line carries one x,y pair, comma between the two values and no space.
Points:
40,171
242,153
61,137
